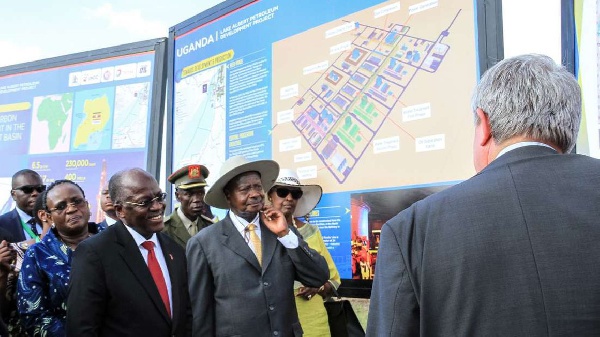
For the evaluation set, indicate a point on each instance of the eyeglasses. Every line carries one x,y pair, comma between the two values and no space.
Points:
61,207
28,189
283,192
147,203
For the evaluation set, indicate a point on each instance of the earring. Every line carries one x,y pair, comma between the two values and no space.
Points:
52,226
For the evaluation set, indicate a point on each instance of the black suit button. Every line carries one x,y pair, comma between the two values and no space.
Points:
271,307
275,333
266,284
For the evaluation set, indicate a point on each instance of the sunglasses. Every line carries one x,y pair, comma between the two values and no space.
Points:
283,192
28,189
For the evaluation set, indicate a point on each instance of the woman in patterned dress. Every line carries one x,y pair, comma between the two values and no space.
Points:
44,276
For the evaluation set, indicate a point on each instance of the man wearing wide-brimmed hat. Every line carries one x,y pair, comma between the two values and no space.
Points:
242,269
188,219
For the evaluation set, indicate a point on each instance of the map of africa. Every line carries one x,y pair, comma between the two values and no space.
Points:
51,123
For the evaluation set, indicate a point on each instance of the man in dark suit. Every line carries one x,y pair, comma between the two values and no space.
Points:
242,269
514,250
131,280
187,219
26,186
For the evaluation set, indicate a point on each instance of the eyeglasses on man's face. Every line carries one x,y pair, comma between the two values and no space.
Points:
148,203
283,192
28,189
62,206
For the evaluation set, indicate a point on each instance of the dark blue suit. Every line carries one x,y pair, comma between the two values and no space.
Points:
12,223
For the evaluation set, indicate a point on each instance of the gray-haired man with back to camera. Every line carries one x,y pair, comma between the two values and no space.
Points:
514,250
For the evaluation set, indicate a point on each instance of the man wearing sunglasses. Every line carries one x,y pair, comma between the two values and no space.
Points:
26,186
188,219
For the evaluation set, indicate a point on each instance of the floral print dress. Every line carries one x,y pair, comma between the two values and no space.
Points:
43,284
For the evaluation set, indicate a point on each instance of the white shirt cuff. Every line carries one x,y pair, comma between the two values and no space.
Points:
290,240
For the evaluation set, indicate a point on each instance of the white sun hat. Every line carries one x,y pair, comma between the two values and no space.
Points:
268,170
311,193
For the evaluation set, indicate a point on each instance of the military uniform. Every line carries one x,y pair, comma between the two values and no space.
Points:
176,230
187,179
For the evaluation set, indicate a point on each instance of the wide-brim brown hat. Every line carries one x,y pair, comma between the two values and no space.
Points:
311,194
268,170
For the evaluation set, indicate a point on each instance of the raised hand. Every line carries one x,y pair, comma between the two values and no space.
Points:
274,220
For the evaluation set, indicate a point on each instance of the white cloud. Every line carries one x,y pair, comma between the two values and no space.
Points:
131,21
13,53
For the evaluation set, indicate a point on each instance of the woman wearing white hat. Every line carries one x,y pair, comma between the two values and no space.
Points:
296,200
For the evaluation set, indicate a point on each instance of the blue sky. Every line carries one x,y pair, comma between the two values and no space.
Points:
36,29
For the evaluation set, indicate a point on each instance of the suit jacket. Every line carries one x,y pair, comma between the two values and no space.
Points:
233,296
12,223
513,251
112,293
176,230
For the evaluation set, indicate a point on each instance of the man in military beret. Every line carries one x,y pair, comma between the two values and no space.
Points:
187,219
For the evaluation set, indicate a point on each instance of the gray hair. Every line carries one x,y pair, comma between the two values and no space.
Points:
530,95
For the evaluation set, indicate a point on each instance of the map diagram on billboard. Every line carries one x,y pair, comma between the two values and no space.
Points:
131,116
92,119
200,119
370,98
51,123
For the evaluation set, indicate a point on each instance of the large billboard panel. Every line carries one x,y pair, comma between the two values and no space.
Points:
369,99
81,117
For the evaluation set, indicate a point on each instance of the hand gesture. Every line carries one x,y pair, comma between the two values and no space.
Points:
274,220
307,293
6,256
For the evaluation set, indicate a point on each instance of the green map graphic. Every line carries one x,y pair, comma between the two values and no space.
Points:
55,113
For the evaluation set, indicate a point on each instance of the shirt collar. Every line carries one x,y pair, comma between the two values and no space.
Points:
24,216
139,239
186,222
241,223
521,144
110,221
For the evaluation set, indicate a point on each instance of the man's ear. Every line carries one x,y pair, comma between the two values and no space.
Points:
177,195
119,210
483,131
13,195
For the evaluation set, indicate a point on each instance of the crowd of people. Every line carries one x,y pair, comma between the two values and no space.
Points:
512,251
130,275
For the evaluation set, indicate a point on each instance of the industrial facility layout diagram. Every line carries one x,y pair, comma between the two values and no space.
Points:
341,113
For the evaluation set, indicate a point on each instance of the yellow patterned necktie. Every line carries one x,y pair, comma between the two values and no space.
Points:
255,242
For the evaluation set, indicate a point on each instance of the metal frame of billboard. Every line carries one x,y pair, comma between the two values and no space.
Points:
490,50
568,35
153,153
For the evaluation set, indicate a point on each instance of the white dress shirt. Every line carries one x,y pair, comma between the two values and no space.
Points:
290,240
139,239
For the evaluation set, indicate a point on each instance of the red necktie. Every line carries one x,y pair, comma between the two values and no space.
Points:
157,274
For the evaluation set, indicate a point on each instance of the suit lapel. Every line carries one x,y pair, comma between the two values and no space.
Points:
133,258
178,228
18,227
235,242
269,242
167,250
